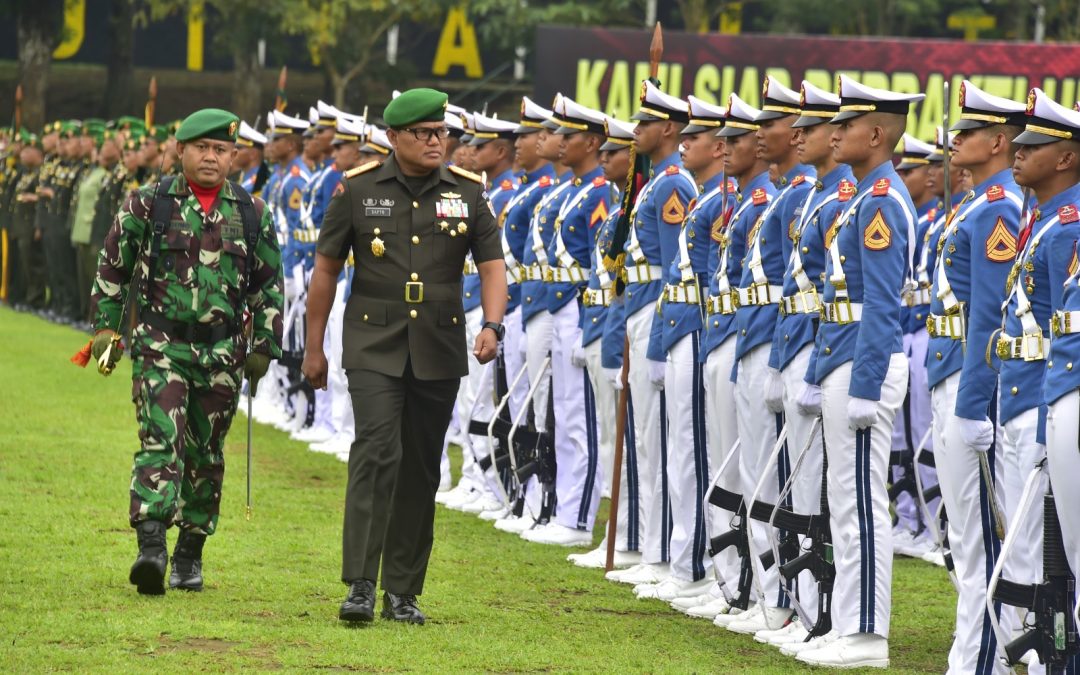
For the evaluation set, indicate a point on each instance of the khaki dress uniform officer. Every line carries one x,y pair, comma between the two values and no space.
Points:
409,224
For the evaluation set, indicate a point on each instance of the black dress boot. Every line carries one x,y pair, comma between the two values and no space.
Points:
359,605
186,572
148,572
401,608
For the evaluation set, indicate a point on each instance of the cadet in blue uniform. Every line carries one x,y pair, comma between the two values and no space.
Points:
863,371
654,228
250,144
792,345
596,301
756,192
975,252
1048,162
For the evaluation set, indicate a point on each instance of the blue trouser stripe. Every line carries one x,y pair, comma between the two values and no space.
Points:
701,461
633,535
991,551
864,507
593,450
665,501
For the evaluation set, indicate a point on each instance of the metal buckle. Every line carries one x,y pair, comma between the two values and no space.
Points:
1004,348
1033,340
729,302
842,311
414,292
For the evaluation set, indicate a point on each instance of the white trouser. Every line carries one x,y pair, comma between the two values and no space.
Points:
859,501
911,426
649,420
577,456
328,411
722,430
758,429
1020,453
806,484
513,346
1063,455
475,402
626,532
688,460
974,545
537,348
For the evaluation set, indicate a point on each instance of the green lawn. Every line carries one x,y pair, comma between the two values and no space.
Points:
495,603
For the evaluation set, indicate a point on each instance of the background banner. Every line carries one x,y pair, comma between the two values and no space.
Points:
603,68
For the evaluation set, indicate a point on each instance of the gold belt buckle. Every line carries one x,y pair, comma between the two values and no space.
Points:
414,292
729,302
1033,340
842,311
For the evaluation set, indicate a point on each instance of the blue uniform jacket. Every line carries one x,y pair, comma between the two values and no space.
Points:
680,318
719,327
314,208
594,317
503,187
914,318
872,237
294,183
614,338
542,227
1063,369
515,220
1043,267
818,210
585,209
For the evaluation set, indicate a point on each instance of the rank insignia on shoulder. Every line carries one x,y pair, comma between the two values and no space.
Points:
877,236
340,189
846,190
671,170
798,180
544,181
295,170
363,168
759,196
731,188
599,181
506,184
931,215
1001,244
994,193
673,211
881,187
465,174
1068,214
599,214
296,199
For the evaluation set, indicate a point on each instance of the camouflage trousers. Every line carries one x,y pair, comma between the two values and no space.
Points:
184,412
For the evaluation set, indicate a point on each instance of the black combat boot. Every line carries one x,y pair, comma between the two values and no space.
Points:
148,572
186,572
359,605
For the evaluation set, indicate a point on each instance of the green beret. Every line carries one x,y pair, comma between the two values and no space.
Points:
416,105
129,122
70,129
212,123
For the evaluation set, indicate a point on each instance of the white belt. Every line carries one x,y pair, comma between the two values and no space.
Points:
1029,347
598,297
806,302
564,275
719,304
514,274
533,272
1065,323
682,294
642,273
841,312
948,326
919,296
759,295
470,267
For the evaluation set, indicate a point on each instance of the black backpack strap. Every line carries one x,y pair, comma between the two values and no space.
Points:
160,216
251,222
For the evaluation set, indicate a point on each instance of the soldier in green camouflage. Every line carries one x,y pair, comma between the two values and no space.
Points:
189,347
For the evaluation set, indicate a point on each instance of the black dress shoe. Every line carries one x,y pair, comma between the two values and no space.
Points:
359,605
401,608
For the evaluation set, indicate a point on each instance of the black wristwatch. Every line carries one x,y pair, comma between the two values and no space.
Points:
500,330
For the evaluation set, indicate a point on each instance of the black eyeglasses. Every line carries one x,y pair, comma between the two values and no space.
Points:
425,134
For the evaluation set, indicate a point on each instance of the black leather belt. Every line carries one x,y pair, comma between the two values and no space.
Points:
206,333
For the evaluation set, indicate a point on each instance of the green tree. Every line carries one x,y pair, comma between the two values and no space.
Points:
38,28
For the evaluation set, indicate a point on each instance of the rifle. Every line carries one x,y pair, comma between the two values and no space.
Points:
534,447
735,537
1053,634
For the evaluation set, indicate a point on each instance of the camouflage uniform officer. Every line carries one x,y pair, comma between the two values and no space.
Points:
408,223
189,343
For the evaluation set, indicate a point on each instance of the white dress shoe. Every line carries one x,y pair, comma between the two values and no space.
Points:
645,573
484,503
558,535
686,602
793,632
466,496
495,514
935,556
597,558
710,610
313,434
514,524
794,648
770,618
674,588
734,614
862,650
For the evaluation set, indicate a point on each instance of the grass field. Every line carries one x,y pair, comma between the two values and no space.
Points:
495,603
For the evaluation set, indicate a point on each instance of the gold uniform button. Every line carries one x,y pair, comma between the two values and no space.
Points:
1015,391
1068,366
1049,364
414,276
744,331
452,319
948,262
938,356
595,319
377,231
513,228
828,350
468,294
412,313
415,239
672,322
571,228
918,317
416,205
805,249
365,317
843,258
787,338
558,294
716,323
528,298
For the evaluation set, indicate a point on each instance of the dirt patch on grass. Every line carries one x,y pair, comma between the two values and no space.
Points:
193,644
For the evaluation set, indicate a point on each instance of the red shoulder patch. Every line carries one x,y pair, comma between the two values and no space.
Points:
931,215
671,170
798,179
1068,214
846,190
295,170
338,190
994,193
881,188
731,187
544,181
507,184
759,196
599,181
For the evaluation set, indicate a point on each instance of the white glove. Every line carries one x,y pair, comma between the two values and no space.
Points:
774,391
290,290
861,413
810,400
976,434
656,374
614,377
298,279
577,356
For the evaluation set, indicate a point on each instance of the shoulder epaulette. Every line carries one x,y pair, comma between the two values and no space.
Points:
672,170
466,174
363,168
994,193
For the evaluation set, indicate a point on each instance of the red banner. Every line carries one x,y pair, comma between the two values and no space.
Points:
603,68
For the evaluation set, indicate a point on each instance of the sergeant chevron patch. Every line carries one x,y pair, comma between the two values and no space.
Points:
877,236
673,211
1001,244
